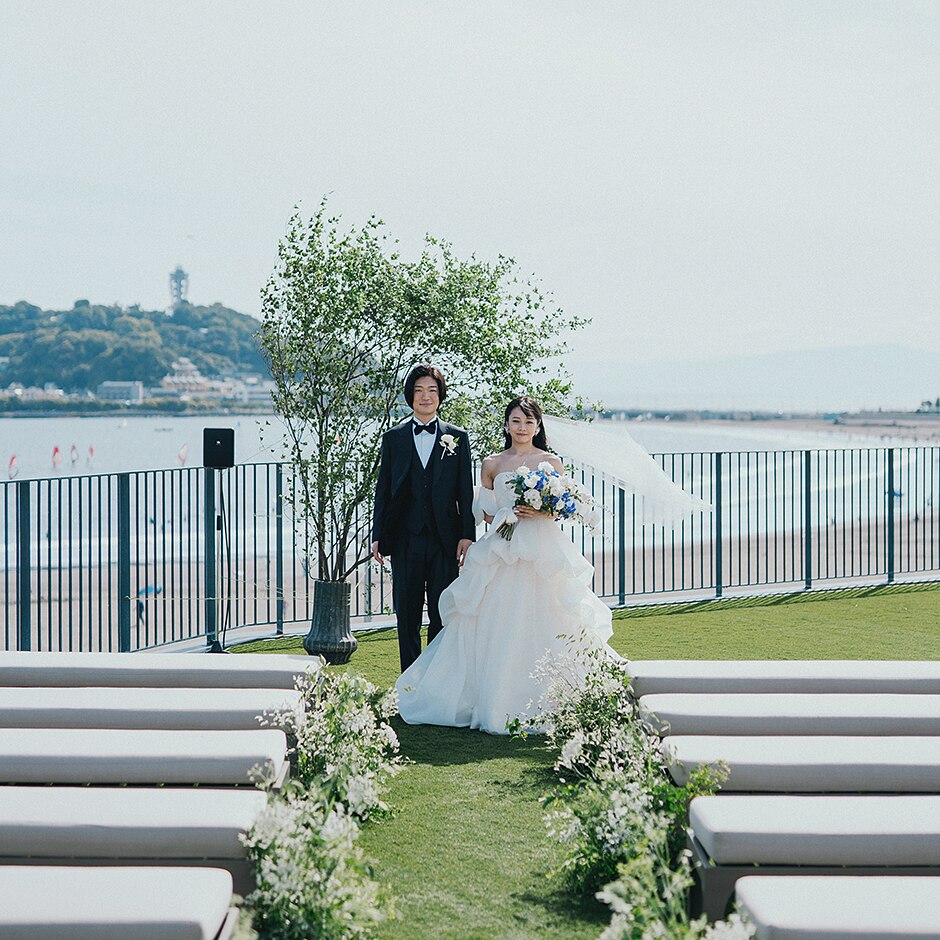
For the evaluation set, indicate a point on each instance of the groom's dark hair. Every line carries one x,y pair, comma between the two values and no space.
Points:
424,372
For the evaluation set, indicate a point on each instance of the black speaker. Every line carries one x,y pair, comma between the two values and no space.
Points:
218,448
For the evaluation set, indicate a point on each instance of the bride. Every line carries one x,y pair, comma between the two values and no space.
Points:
514,601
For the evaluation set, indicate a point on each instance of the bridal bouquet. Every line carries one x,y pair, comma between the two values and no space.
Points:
556,494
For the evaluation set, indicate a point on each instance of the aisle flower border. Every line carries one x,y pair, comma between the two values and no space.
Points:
615,808
312,879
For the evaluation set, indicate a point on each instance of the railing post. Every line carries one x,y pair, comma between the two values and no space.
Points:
890,546
718,549
124,561
622,543
807,519
279,547
209,581
24,571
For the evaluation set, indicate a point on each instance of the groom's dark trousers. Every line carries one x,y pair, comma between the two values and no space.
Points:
421,513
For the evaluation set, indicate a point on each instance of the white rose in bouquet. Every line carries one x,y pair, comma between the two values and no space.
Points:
534,499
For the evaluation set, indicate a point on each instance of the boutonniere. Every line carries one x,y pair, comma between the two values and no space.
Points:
449,444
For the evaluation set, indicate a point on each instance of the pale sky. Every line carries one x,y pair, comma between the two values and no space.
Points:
702,179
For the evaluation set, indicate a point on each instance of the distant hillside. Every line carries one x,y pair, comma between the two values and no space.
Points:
79,348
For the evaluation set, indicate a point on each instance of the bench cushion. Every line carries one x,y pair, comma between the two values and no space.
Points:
63,756
153,670
59,903
841,907
101,822
782,676
169,709
760,714
818,830
805,764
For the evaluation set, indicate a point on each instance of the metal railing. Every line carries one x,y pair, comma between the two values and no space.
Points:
135,560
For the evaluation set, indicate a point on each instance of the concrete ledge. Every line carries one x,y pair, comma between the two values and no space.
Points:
784,676
793,714
840,907
818,830
84,756
134,708
824,764
152,670
55,903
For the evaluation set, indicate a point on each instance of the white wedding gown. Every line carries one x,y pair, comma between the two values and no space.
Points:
513,602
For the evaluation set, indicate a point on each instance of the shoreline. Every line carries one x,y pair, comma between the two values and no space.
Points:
137,413
913,428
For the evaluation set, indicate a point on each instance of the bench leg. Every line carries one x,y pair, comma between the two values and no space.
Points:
713,888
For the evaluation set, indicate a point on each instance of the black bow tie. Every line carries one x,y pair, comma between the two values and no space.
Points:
430,428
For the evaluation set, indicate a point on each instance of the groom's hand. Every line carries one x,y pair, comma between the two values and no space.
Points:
463,546
376,555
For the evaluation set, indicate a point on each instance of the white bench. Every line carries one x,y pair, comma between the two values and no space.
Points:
794,764
793,714
115,904
209,709
129,826
655,676
842,908
153,670
730,834
109,756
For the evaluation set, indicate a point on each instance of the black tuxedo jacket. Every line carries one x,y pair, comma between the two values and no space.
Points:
451,491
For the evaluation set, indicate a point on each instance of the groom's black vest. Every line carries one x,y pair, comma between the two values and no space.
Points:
420,482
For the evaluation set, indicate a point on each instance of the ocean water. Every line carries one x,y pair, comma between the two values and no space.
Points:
67,446
113,444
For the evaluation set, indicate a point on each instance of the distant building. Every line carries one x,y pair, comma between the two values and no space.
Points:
187,383
130,392
50,392
255,388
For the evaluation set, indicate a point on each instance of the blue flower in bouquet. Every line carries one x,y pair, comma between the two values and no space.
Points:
547,491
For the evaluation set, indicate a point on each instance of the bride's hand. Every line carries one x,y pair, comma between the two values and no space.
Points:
527,512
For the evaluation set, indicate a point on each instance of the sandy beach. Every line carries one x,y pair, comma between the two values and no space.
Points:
866,429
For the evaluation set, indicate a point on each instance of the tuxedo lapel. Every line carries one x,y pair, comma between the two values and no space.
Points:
438,455
401,459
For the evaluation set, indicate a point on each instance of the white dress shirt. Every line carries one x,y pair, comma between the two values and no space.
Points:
424,442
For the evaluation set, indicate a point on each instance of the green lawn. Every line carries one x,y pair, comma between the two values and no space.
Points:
466,851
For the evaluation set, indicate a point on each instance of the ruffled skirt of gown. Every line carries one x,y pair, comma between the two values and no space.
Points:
513,602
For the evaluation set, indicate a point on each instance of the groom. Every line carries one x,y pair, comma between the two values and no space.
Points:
423,514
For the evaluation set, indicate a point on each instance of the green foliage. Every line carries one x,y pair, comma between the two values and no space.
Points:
615,799
78,349
344,744
312,879
345,317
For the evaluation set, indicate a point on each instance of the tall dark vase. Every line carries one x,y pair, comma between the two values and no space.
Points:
330,636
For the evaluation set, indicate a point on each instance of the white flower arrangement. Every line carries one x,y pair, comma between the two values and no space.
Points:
311,877
621,819
448,444
344,742
312,880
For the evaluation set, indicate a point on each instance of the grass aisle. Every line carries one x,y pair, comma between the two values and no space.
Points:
466,851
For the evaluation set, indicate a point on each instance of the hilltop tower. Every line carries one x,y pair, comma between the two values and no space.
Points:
179,285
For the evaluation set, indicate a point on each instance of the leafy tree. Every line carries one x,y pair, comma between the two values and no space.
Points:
344,317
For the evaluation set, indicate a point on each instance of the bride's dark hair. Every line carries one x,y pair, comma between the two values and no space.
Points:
531,409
